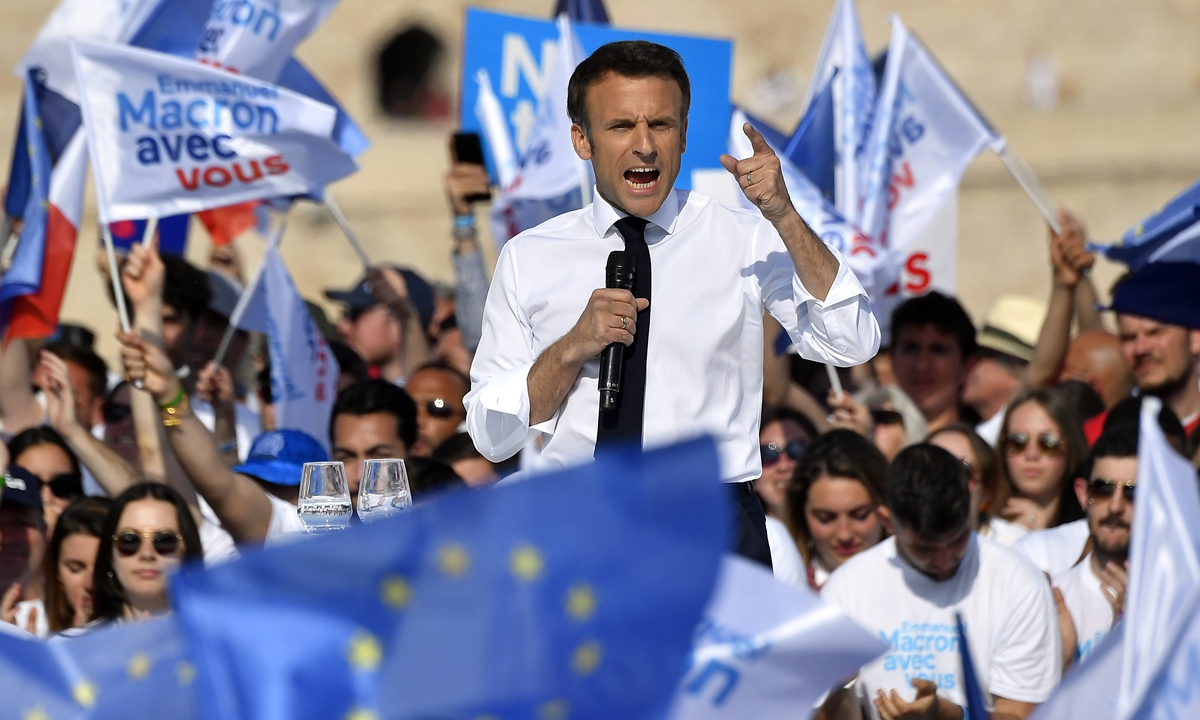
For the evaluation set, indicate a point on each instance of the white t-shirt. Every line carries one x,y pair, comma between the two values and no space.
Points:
1006,606
1090,610
1055,550
1001,531
989,429
785,556
284,520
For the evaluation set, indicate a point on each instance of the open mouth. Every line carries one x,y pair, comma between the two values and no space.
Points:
642,178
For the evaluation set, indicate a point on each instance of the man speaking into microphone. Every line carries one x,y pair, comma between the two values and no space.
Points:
691,325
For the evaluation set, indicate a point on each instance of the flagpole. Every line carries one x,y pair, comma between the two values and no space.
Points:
835,382
115,276
1032,186
336,211
151,227
244,299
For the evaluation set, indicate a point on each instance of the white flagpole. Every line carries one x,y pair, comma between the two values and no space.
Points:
835,382
115,276
1032,186
247,293
151,228
336,211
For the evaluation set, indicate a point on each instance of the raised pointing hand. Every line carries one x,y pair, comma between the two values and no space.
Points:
760,177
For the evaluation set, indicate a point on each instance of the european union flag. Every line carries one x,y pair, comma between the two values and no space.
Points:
110,673
1177,217
975,709
571,595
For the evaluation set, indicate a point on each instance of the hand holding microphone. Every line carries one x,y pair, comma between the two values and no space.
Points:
618,275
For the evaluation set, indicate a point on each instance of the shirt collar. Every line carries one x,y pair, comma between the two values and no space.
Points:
605,215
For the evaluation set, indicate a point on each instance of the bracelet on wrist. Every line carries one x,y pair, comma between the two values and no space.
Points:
172,415
175,399
228,447
464,221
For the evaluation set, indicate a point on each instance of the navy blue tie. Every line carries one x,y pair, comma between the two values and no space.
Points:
625,423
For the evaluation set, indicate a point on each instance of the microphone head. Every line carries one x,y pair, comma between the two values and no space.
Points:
619,273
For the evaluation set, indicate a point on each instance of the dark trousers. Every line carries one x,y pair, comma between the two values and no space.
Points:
749,524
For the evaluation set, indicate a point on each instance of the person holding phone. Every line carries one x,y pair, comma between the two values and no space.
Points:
467,183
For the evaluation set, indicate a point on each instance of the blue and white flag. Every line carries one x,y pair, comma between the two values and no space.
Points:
1164,558
1170,235
1175,691
845,76
304,372
169,136
495,131
552,179
256,37
767,650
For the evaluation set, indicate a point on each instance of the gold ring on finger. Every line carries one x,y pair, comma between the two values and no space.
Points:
749,179
624,322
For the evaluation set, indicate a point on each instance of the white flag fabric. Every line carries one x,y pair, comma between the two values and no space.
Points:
256,37
495,130
1088,690
98,20
169,136
552,179
1175,691
766,650
923,135
304,372
844,62
869,261
1164,557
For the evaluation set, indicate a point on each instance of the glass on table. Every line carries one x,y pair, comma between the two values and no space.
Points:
324,504
384,490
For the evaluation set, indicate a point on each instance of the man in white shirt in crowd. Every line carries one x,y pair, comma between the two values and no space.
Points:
702,270
909,588
1094,590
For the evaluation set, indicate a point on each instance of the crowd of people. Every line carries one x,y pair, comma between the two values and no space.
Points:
960,467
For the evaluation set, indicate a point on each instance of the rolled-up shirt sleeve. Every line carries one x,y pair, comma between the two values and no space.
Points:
840,330
498,403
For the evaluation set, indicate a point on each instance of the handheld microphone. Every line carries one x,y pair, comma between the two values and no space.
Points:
618,274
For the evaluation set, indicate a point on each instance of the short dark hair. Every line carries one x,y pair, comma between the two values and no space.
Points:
941,311
926,491
837,453
627,58
458,446
45,435
1128,412
108,597
367,397
427,477
86,358
445,367
350,362
185,286
783,413
1121,441
85,516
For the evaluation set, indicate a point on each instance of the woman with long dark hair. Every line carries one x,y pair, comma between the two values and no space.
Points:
44,452
70,563
148,533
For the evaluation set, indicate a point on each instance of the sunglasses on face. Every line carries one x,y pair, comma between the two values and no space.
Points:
166,543
1048,442
1101,488
115,412
887,417
771,452
439,408
64,486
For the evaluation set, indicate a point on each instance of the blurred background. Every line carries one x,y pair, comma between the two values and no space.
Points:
1100,97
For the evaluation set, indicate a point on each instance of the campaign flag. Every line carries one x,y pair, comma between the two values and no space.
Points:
570,595
1172,234
976,709
304,372
519,53
256,37
109,673
55,162
172,234
552,179
843,90
588,11
50,51
1164,558
1175,691
495,131
169,136
767,650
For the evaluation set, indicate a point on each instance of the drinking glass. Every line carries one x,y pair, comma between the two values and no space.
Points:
384,490
324,497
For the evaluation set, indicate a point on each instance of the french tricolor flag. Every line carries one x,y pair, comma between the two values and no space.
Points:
46,193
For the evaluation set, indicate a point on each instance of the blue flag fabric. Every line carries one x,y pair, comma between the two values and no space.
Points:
24,276
976,709
811,147
172,234
107,674
59,118
1178,217
575,593
588,11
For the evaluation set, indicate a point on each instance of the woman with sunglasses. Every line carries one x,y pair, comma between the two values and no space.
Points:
961,441
43,452
1041,444
148,533
782,437
833,501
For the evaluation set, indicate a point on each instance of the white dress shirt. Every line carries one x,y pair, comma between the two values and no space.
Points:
713,270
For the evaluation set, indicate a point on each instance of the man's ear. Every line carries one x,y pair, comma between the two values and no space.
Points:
579,139
1081,492
1194,341
885,517
683,138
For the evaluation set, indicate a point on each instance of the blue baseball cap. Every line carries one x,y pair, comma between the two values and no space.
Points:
278,456
1162,291
420,292
21,487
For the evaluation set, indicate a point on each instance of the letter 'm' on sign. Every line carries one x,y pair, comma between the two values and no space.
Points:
517,60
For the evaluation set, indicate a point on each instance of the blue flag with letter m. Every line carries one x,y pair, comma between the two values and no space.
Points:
571,595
